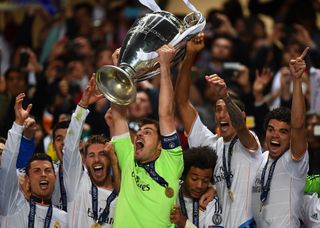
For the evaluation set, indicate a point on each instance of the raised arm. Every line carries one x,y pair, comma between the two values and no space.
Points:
166,104
298,133
72,163
237,117
9,188
182,89
116,177
27,145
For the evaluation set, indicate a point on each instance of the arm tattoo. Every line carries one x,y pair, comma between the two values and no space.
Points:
235,113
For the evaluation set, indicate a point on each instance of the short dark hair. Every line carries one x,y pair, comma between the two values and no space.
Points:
39,157
2,140
145,121
281,114
59,125
94,139
202,157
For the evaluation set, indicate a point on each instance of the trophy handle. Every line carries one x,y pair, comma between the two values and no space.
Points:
116,84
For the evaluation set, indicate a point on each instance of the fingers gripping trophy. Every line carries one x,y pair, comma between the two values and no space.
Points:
138,59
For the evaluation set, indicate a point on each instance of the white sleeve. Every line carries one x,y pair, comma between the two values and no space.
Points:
10,195
189,224
310,211
297,169
72,163
200,135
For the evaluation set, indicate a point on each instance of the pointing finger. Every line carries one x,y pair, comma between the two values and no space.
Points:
304,53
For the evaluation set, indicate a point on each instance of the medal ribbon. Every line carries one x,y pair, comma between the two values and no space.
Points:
62,190
227,169
104,215
150,169
195,206
265,188
32,214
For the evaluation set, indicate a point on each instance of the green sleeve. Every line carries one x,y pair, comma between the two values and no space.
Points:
124,150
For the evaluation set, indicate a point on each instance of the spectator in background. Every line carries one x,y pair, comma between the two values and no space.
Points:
15,82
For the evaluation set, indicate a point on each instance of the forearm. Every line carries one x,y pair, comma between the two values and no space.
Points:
26,151
119,118
182,90
166,93
239,123
166,108
298,109
72,163
116,177
183,83
236,116
298,134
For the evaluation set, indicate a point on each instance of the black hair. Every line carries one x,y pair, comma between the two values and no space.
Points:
281,114
94,139
145,121
202,157
2,140
39,157
59,125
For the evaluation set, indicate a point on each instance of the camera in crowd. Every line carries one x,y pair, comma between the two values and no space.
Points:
231,70
24,58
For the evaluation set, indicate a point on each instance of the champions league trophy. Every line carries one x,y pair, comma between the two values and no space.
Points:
138,59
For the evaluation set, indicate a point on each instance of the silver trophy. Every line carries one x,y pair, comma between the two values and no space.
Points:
138,59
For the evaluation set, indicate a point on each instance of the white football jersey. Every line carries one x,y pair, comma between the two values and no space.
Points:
14,208
211,217
244,164
310,211
282,207
77,181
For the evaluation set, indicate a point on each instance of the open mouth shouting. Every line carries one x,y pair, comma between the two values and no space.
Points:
224,125
98,169
44,185
274,145
139,144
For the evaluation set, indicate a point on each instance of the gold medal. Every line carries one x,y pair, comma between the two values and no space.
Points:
231,195
169,192
57,224
96,225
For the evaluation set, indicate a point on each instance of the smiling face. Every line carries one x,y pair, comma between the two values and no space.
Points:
41,178
97,163
223,121
196,182
277,137
147,145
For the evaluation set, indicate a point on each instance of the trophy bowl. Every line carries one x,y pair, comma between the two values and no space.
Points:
138,59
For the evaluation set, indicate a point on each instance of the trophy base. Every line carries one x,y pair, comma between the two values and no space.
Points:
116,84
